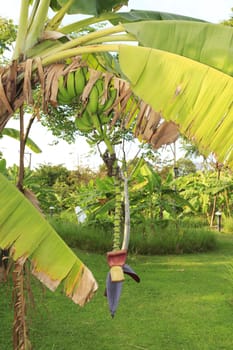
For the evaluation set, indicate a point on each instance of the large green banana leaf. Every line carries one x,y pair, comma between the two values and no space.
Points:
143,15
29,236
90,7
211,44
15,134
195,96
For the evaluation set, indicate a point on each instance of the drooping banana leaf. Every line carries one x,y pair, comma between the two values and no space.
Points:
211,44
196,97
142,15
15,134
29,236
90,7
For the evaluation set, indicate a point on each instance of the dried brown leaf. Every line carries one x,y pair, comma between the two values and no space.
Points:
27,88
45,279
11,81
51,82
85,289
4,98
94,76
167,133
152,123
107,78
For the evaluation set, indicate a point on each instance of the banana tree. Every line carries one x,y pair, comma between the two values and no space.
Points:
183,68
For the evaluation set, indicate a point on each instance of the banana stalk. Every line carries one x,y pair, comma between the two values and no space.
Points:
126,236
117,218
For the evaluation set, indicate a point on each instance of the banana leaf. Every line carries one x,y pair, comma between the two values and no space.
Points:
142,15
15,134
90,7
195,96
29,236
211,44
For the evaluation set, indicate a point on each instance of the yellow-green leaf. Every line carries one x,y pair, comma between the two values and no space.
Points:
29,236
196,97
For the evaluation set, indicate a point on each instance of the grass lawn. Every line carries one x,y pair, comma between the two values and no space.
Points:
183,302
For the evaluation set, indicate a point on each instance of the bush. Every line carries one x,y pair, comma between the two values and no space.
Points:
151,237
89,237
228,225
172,239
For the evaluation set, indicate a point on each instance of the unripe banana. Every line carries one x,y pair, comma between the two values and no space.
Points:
93,100
97,123
61,100
70,85
105,118
100,86
62,91
80,80
84,122
108,104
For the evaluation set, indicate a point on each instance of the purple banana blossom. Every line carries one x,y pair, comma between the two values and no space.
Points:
113,289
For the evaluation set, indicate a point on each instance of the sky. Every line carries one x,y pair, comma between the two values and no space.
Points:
79,153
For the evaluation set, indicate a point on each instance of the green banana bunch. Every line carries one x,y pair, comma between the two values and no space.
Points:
84,122
96,108
71,86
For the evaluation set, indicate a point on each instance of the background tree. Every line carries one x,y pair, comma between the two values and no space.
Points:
8,33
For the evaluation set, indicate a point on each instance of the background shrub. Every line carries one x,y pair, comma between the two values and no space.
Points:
149,238
228,225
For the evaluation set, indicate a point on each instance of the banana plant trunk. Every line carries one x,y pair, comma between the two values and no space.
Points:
20,331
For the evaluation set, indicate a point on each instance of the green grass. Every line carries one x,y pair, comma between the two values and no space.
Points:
183,302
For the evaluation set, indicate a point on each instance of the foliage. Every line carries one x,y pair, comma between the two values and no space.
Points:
185,166
8,33
15,134
60,121
155,197
148,237
91,237
201,187
229,22
58,187
228,224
